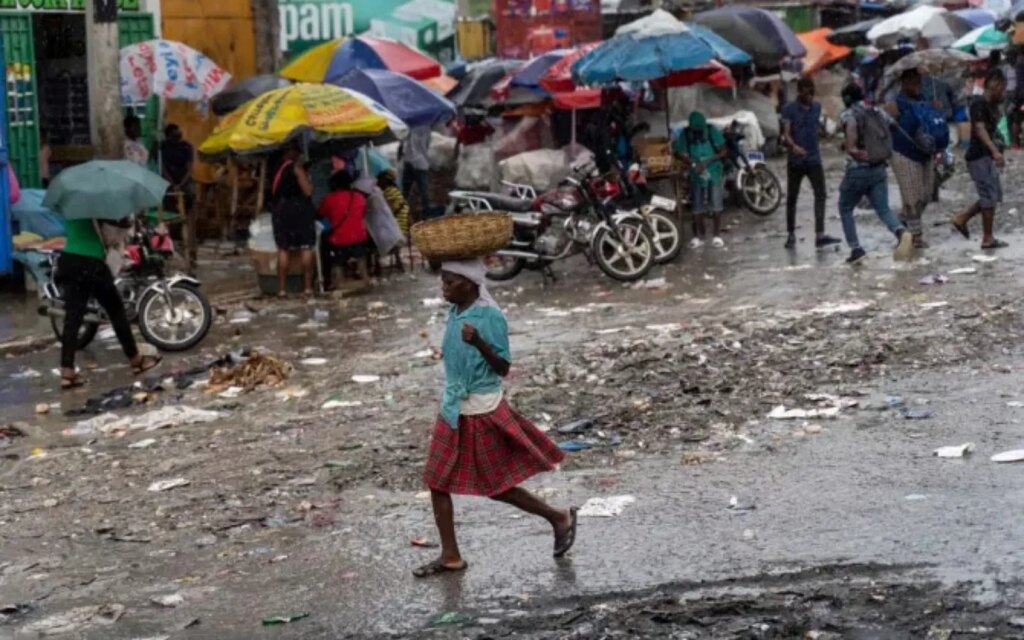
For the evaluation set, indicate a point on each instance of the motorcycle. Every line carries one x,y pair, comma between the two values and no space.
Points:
171,311
629,193
558,224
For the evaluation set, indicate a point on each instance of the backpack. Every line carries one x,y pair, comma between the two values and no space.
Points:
932,133
873,134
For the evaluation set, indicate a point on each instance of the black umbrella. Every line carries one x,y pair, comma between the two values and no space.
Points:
241,91
760,33
853,35
474,89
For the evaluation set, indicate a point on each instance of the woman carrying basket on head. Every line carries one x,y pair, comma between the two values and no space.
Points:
481,446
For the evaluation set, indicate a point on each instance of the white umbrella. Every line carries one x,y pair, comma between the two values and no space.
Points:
659,23
169,69
938,26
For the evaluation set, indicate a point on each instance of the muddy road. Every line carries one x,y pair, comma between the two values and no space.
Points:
772,415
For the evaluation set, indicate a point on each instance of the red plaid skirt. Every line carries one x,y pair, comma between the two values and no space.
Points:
488,454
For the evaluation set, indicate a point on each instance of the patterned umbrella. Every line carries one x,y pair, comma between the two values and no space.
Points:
168,69
931,61
331,60
983,40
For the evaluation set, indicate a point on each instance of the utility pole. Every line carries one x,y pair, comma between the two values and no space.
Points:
102,55
266,21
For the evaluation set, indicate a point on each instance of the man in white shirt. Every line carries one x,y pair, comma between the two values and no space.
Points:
134,150
415,159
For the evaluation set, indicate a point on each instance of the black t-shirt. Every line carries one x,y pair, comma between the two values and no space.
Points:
176,157
988,115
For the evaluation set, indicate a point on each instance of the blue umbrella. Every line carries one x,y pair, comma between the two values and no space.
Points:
977,17
760,33
413,103
530,73
639,59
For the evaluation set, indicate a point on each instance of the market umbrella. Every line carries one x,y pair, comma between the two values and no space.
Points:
442,84
820,52
936,25
977,17
413,103
168,69
982,40
331,60
853,35
321,112
241,91
931,61
758,32
474,88
104,190
558,77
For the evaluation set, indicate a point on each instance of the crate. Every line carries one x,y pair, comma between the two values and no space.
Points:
656,156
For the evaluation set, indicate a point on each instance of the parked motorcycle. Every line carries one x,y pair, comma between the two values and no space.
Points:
629,193
171,311
558,224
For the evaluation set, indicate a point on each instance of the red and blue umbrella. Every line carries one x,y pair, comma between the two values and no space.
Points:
330,61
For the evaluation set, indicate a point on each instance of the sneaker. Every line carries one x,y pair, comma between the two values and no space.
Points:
905,246
826,241
717,243
696,243
856,256
791,241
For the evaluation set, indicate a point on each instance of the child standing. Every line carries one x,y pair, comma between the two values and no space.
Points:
481,446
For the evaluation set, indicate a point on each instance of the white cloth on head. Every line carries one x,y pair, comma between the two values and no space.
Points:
474,271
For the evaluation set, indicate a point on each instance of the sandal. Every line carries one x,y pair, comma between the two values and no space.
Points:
68,383
148,362
437,567
996,244
564,543
962,228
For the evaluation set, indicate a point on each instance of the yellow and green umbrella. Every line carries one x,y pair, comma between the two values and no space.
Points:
321,112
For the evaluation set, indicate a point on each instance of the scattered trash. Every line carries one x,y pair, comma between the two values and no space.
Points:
335,403
170,600
142,444
166,416
433,303
1016,455
781,413
664,328
982,258
321,315
936,278
842,308
26,374
314,362
573,446
423,542
42,408
957,451
76,620
242,316
963,271
365,379
910,414
736,505
425,353
913,497
292,393
653,283
605,507
1015,404
257,369
449,618
165,485
231,392
577,426
285,619
934,305
10,611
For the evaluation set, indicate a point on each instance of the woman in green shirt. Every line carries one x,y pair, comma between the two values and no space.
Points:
83,274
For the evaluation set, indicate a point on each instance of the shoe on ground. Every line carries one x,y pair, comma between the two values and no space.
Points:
717,242
696,243
856,256
826,241
791,241
905,246
919,243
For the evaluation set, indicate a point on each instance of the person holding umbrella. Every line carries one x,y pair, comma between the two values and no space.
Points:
91,196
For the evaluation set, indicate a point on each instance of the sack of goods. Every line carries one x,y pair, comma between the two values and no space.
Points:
462,236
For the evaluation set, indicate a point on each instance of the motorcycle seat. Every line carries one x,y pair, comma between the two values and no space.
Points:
506,203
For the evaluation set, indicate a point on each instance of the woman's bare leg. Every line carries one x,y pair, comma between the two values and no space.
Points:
560,519
308,269
444,518
282,273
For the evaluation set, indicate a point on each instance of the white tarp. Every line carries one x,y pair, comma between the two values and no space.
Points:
542,169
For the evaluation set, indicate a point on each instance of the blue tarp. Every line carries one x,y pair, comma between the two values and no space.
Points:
413,103
32,216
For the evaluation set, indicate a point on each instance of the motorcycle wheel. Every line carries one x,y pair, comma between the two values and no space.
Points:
86,333
502,268
760,191
665,234
624,263
178,327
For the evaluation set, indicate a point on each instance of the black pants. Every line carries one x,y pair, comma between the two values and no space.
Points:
82,278
418,178
795,174
333,256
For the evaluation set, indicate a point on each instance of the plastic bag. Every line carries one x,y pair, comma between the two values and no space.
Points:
261,234
476,167
380,222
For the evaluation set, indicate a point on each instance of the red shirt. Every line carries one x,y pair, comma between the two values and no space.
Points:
345,210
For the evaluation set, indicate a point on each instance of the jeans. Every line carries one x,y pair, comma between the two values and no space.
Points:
82,278
858,182
795,176
416,177
707,199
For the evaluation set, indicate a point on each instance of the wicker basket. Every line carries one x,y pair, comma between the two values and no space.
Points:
462,236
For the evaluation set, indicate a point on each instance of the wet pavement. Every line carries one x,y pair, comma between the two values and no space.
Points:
847,524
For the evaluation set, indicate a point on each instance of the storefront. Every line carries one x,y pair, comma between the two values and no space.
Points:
46,87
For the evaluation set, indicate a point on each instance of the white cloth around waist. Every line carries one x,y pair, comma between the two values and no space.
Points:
476,404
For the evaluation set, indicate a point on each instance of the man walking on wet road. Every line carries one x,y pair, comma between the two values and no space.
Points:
868,148
800,132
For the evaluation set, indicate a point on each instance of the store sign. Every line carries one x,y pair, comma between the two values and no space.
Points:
428,25
63,6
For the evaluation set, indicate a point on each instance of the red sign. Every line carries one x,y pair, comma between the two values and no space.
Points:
526,28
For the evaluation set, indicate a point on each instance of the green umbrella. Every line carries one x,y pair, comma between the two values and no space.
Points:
104,190
982,40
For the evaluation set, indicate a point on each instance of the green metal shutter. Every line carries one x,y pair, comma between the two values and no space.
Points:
130,30
20,97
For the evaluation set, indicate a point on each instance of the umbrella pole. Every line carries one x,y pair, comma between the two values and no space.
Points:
675,179
572,139
260,186
233,210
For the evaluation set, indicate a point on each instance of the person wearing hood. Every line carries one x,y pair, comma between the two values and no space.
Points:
701,148
480,445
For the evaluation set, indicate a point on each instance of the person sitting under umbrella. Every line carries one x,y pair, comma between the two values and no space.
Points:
344,212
